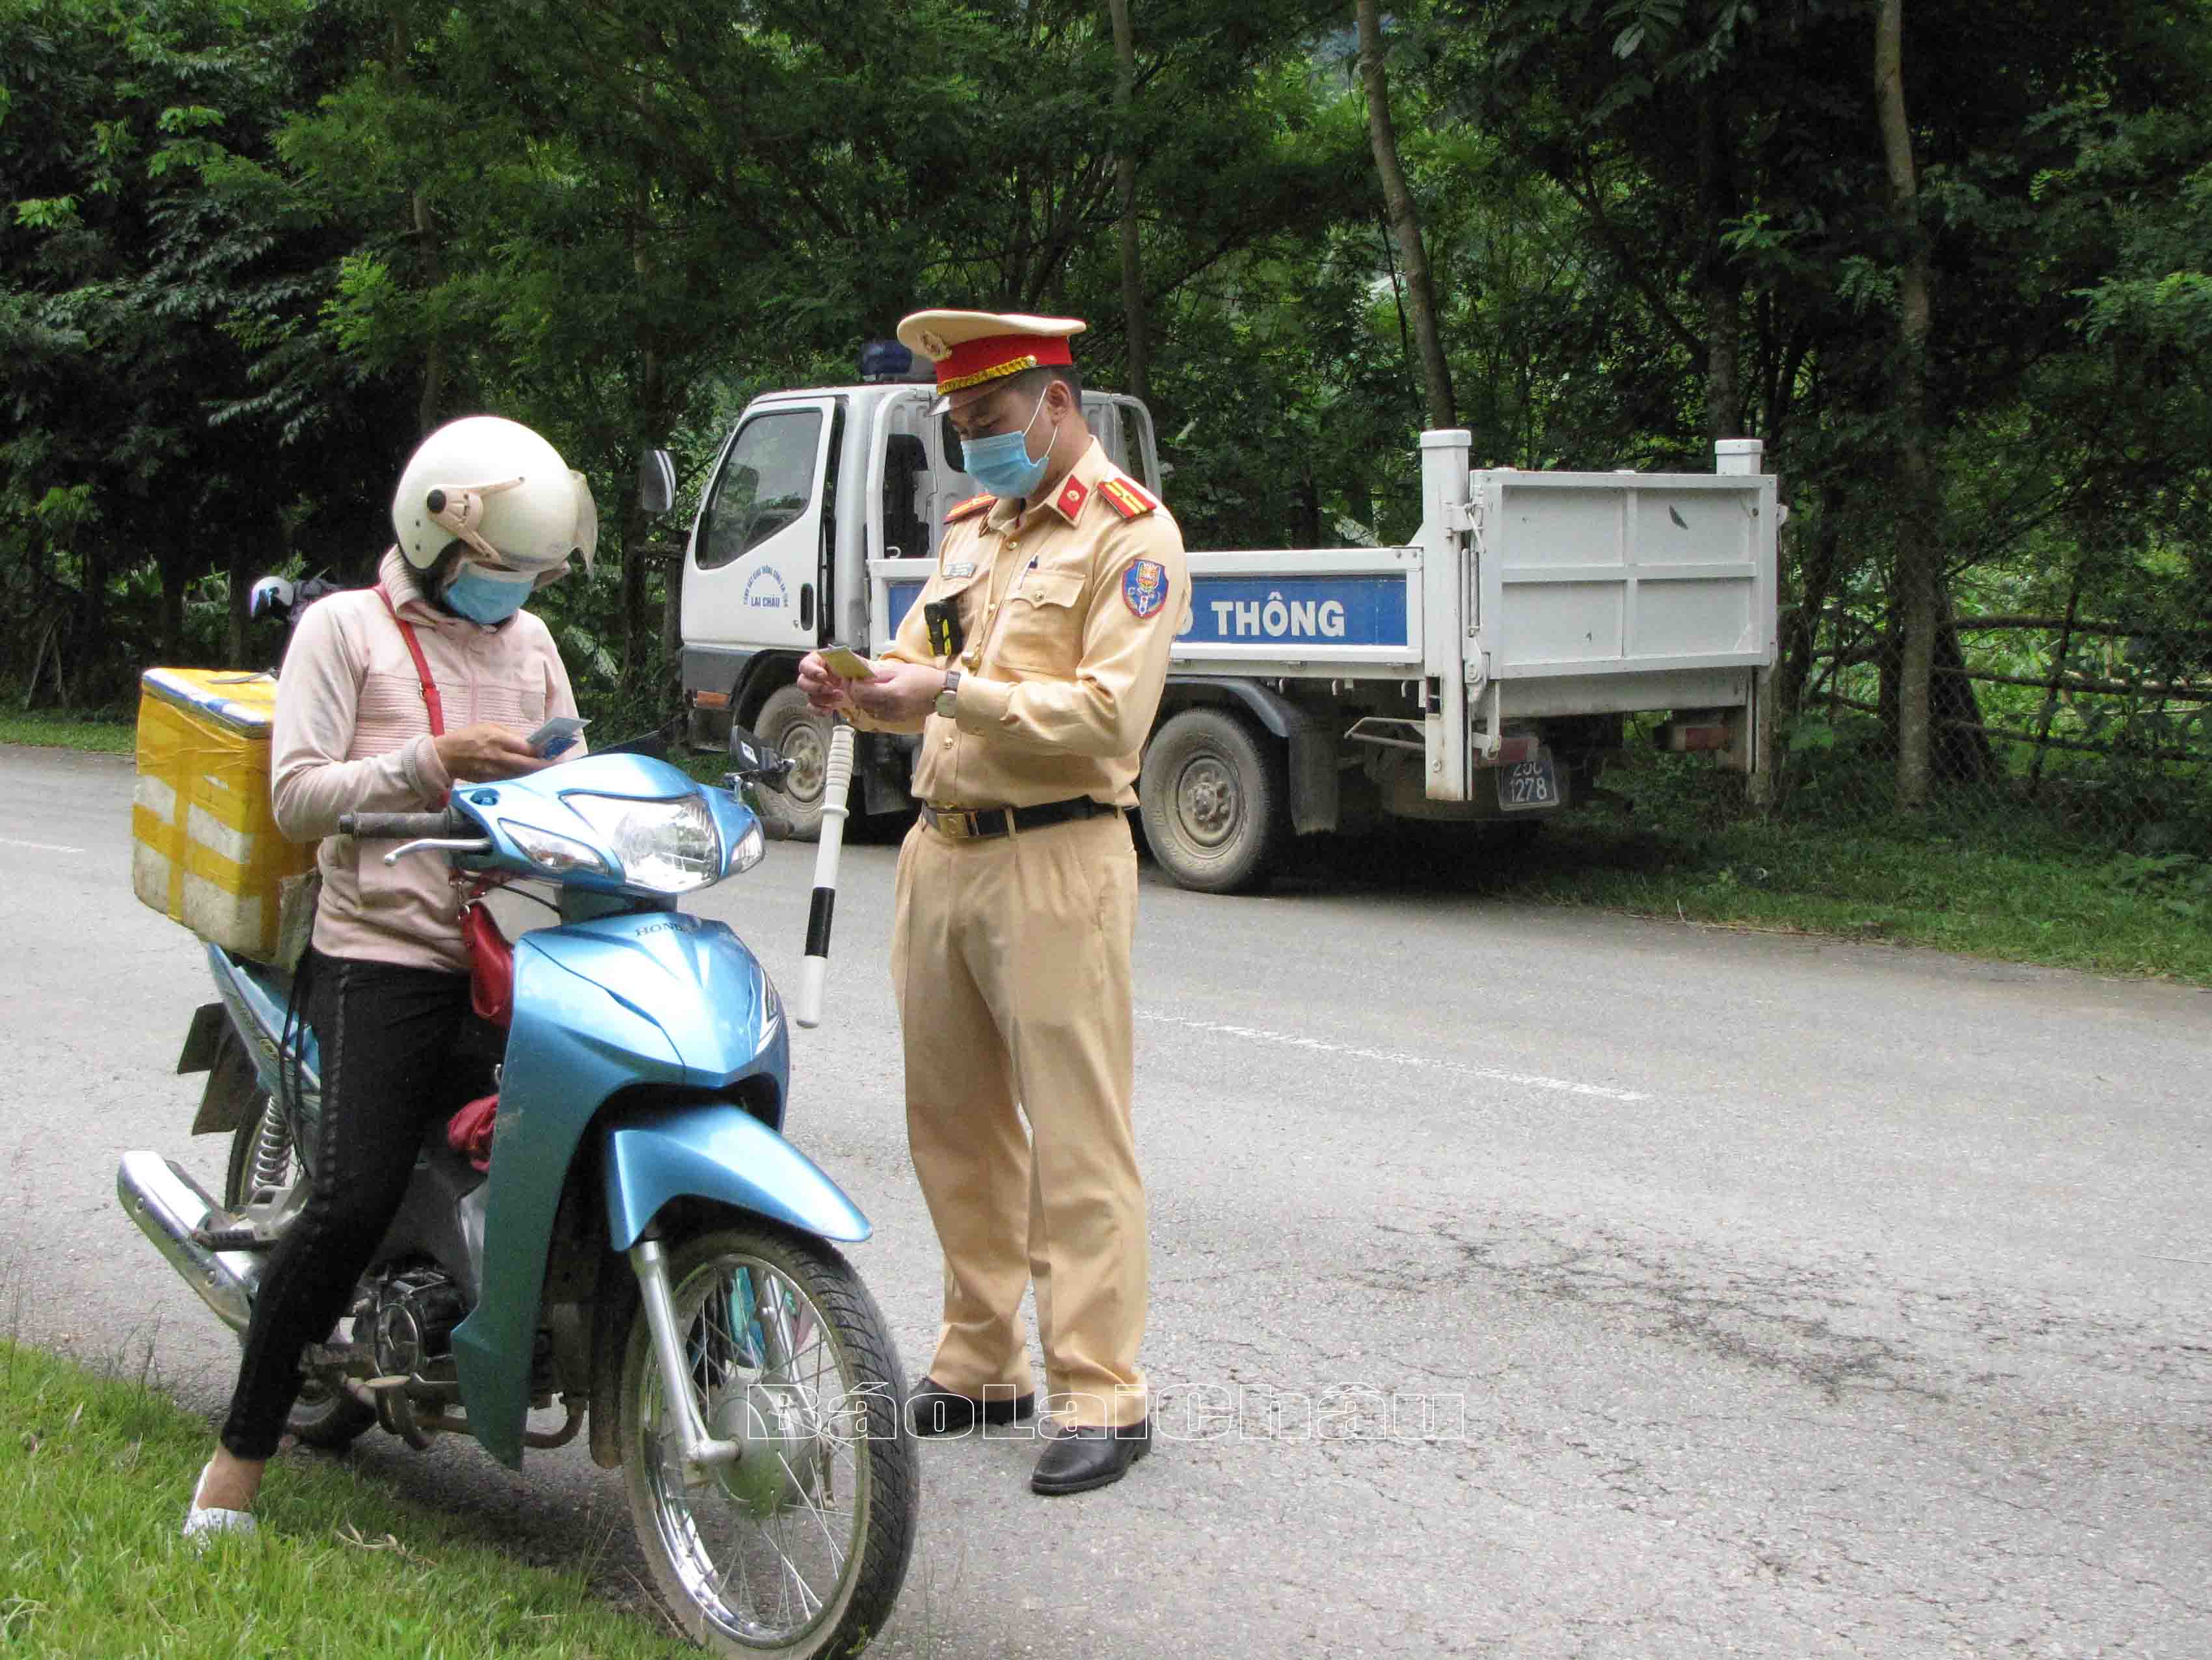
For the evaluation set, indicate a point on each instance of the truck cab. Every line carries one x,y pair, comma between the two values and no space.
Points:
809,487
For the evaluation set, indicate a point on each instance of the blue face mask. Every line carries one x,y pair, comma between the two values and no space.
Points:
488,597
1001,464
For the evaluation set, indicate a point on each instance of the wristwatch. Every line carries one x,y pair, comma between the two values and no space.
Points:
948,700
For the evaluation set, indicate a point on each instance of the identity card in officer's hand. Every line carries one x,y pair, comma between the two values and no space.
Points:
847,663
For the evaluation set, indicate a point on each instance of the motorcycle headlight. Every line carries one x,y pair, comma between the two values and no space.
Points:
558,854
671,846
751,848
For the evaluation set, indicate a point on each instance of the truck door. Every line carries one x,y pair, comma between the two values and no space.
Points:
752,577
1124,429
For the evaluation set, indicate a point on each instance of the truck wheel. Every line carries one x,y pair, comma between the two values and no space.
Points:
1213,798
801,732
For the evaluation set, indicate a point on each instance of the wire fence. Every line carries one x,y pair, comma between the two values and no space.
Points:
2073,708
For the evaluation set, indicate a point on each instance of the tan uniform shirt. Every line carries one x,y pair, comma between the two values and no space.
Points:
1069,611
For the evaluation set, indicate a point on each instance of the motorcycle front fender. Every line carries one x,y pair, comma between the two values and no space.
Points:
722,1154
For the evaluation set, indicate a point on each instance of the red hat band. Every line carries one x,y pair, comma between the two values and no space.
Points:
972,362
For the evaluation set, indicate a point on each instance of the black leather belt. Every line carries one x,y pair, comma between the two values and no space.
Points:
975,823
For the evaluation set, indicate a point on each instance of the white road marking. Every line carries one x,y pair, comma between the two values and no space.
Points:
37,846
1397,1058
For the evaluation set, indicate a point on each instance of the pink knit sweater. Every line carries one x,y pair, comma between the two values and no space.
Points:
352,736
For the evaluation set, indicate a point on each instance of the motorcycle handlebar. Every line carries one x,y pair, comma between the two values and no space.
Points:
398,826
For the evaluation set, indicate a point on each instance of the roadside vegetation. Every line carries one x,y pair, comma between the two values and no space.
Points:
103,731
94,1471
2112,913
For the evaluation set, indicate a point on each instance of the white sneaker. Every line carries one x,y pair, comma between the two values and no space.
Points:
204,1524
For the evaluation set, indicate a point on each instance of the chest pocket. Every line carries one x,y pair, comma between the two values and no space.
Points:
959,592
1042,632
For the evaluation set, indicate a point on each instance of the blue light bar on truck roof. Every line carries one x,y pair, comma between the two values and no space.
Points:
886,359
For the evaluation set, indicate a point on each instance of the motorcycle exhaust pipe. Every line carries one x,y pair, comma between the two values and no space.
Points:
168,1205
815,970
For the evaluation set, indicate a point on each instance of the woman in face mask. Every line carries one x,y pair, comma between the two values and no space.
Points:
391,696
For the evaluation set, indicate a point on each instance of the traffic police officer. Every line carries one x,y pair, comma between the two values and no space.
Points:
1031,664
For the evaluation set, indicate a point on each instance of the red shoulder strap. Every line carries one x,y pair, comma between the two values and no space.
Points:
1127,496
431,701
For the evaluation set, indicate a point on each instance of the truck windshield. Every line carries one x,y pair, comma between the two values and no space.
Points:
766,482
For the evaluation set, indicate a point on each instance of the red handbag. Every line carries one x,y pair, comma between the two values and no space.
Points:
491,965
468,1132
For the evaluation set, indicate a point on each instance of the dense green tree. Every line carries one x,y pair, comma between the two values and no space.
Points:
169,401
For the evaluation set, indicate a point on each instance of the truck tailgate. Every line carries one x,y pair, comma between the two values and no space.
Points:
1579,574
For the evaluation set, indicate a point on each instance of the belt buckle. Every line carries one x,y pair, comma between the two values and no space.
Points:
957,823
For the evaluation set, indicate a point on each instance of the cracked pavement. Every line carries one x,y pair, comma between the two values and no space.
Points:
1666,1291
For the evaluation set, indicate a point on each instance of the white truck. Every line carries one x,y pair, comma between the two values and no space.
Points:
1480,673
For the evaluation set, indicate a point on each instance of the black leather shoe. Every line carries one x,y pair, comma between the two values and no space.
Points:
931,1410
1087,1455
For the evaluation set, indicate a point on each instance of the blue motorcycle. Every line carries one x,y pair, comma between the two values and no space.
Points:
646,1250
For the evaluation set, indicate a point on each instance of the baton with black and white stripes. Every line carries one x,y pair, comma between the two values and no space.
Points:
837,779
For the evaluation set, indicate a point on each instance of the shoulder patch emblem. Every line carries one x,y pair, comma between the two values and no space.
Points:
970,508
1129,498
1145,586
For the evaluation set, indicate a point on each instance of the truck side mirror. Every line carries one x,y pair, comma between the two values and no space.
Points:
656,481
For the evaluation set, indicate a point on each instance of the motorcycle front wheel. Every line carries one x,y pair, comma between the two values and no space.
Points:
262,1159
797,1550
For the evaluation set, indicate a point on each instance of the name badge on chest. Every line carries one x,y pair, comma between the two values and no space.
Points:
960,570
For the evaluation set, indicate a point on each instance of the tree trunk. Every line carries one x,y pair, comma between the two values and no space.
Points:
90,638
433,357
672,625
1718,280
1405,221
241,573
1960,752
1125,169
174,574
1308,533
1918,560
637,534
425,239
1801,625
2058,654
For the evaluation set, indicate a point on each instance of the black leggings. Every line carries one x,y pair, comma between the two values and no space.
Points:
401,1052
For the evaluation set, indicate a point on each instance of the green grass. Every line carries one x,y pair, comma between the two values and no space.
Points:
2068,907
104,732
95,1471
2110,878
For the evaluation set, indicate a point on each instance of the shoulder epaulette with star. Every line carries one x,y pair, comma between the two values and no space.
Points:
968,508
1126,497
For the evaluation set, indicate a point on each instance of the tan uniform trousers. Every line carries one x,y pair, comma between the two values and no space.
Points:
1011,955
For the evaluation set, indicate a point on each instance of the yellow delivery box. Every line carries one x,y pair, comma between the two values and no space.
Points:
205,848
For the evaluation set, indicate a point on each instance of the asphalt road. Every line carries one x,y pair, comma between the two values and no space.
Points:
1526,1281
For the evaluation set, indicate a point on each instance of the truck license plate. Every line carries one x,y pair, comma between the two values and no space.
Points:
1526,785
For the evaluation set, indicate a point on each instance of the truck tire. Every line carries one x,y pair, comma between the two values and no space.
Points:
1212,797
788,722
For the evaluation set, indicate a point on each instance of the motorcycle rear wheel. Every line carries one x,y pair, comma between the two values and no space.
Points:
322,1417
797,1551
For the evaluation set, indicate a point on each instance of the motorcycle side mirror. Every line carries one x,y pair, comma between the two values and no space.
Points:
656,481
755,761
270,594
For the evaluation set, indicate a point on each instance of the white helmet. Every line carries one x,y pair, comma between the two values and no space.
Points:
500,487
